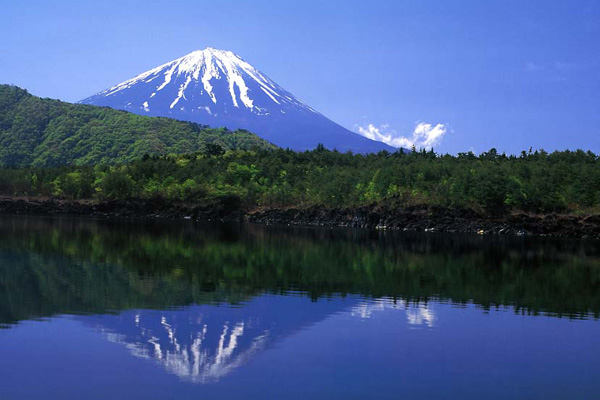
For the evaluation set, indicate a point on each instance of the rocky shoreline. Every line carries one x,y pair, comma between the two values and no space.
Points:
429,219
424,219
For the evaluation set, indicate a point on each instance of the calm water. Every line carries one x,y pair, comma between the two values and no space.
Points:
121,310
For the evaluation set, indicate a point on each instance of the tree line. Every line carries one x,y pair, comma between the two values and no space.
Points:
534,181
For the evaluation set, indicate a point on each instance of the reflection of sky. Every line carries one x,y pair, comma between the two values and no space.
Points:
289,347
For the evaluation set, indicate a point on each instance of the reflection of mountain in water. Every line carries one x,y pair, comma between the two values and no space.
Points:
194,348
202,344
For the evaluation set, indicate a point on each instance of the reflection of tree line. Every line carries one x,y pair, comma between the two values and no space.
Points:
50,266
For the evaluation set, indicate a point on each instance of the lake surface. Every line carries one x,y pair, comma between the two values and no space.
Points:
100,309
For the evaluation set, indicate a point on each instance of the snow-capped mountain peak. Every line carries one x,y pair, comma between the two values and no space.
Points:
218,88
206,70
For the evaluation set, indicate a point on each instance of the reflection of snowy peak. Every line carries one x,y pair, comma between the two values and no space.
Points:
205,343
218,88
193,347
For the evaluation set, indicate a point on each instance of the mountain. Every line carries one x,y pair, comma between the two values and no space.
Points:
45,132
218,88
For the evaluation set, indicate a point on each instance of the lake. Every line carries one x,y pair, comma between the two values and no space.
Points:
101,309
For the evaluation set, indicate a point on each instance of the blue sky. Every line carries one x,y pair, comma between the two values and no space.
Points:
507,74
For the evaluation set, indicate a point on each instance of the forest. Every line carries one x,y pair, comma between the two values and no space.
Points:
489,183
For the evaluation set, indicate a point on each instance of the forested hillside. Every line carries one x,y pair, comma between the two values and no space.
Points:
492,183
46,132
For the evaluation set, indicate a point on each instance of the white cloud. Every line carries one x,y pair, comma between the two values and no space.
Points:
424,136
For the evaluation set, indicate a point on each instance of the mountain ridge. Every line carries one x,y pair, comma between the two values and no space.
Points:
46,132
